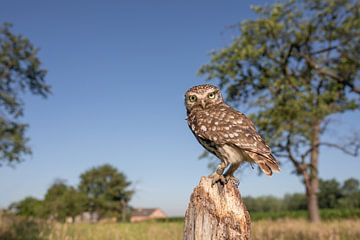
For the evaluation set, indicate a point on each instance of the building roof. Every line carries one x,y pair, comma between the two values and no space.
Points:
143,211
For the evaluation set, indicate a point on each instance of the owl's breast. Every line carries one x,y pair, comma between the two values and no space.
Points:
210,124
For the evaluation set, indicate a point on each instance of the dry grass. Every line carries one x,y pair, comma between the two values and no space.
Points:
284,229
300,229
123,231
20,228
279,230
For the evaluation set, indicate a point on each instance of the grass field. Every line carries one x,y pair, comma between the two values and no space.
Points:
264,229
283,229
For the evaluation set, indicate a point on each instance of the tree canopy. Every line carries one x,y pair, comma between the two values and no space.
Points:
332,195
107,190
62,200
295,66
29,207
102,190
20,72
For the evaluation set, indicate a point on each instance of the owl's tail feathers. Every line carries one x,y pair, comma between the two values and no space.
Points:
272,163
265,168
268,163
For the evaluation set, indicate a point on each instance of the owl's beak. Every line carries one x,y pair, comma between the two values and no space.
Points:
203,104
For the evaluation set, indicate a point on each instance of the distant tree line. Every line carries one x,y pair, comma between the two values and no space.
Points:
332,194
102,190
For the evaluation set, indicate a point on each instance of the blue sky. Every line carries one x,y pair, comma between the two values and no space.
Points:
119,70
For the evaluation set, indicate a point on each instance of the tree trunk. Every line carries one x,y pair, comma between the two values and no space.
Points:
312,190
312,205
216,212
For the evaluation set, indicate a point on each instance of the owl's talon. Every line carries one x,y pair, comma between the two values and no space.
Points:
218,178
233,179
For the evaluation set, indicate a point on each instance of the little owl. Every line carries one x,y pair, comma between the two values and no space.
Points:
226,133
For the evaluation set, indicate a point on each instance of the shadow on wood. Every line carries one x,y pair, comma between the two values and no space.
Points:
216,212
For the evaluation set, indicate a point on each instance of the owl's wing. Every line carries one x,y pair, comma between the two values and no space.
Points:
228,126
224,125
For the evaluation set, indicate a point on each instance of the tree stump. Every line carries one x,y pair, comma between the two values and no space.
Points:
216,212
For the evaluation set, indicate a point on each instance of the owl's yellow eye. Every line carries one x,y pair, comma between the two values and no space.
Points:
211,95
192,98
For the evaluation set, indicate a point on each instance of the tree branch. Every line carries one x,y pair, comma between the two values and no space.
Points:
300,167
352,152
329,73
344,148
324,50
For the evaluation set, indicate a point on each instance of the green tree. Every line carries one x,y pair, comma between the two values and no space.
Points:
29,207
107,191
263,204
350,191
20,72
350,186
63,201
329,193
296,65
295,201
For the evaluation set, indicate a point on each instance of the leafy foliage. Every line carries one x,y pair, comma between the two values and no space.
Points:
296,201
296,65
277,66
332,195
28,207
350,192
20,72
326,214
106,189
102,190
263,203
63,201
329,193
350,186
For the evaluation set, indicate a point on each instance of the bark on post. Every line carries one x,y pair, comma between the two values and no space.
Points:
216,212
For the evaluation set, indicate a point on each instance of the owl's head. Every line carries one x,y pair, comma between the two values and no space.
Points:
202,97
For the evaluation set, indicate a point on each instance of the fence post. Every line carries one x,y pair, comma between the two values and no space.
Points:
216,212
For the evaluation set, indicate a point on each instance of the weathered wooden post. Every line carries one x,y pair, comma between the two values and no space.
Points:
216,212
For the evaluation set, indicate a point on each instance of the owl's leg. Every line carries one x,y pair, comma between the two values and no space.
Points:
217,175
229,175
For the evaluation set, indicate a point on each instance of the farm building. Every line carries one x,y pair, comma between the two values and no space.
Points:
142,214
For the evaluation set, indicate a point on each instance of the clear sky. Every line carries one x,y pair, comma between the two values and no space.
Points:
118,71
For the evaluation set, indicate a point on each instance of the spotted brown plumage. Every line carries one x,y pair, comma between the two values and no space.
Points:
225,132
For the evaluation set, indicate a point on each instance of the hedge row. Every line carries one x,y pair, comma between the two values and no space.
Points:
326,214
